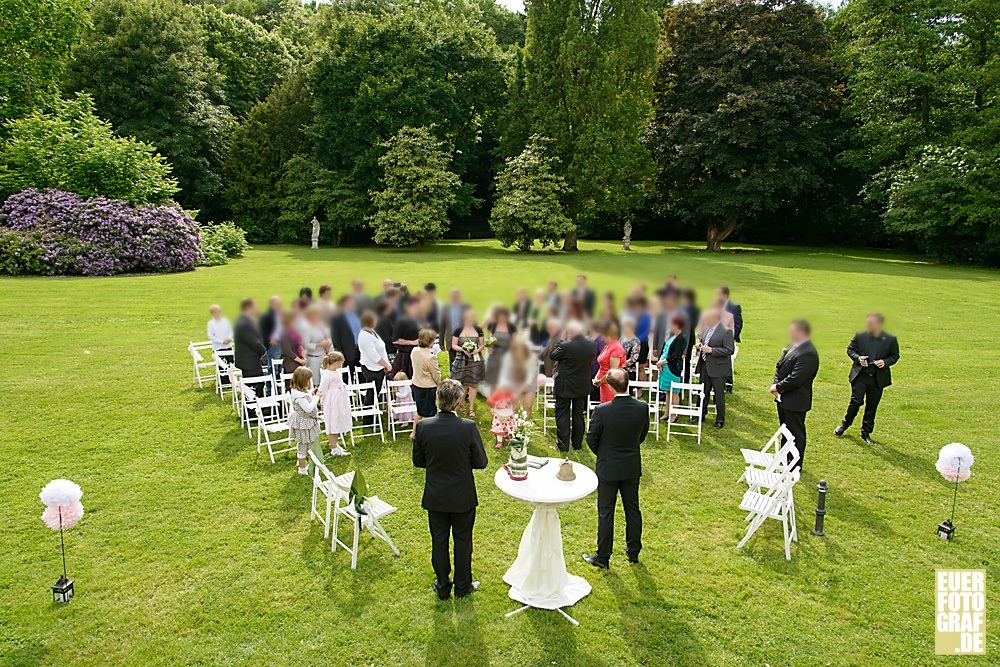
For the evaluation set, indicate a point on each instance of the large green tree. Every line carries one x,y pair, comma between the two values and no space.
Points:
529,204
742,97
35,41
145,65
416,64
586,81
72,149
418,187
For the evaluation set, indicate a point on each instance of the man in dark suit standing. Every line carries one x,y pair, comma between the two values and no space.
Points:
573,356
344,329
715,364
585,295
270,331
449,449
873,352
736,311
793,381
617,429
451,318
248,345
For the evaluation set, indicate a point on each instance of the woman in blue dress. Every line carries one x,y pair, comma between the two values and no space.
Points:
671,363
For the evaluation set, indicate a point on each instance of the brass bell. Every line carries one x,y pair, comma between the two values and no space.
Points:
566,473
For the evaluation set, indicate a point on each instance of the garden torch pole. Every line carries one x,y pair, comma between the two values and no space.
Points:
820,508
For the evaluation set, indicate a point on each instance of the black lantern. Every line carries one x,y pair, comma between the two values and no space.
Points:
945,529
62,590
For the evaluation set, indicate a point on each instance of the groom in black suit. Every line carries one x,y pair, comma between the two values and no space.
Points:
793,380
572,385
617,429
450,448
873,352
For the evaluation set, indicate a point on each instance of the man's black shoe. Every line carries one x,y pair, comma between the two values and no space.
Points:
632,558
867,438
839,430
718,424
443,590
472,589
595,561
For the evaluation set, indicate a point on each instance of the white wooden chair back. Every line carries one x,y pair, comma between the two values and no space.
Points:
362,410
776,503
548,405
652,398
687,410
373,510
400,415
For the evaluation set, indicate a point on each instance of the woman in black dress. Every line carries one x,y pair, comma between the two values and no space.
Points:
503,330
405,333
468,367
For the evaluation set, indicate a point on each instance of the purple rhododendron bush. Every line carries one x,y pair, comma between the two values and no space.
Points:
51,232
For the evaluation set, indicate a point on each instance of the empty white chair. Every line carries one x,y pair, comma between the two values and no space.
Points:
775,503
201,373
271,420
223,360
258,387
363,410
548,405
764,457
373,509
652,397
400,415
325,483
687,410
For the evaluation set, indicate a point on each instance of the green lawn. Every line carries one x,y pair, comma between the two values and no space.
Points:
196,551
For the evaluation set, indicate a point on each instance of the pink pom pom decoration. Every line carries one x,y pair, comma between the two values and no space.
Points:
72,512
542,380
955,462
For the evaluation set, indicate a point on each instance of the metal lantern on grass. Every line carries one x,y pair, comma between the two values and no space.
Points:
63,510
955,465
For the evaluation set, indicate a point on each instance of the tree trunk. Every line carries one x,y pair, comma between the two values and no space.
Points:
716,236
569,243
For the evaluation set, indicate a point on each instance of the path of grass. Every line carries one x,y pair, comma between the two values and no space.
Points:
196,551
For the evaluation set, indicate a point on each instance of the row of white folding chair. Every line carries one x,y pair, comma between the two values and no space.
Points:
400,415
778,503
337,492
687,410
197,352
365,406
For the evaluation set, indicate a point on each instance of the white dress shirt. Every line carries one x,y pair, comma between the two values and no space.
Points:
372,350
220,331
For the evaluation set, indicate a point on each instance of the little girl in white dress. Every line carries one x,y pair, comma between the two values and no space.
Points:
404,399
336,403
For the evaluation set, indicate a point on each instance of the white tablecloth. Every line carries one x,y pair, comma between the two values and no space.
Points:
538,576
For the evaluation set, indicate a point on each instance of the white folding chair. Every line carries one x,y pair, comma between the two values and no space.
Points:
373,509
695,373
271,416
652,391
259,387
362,410
765,457
776,503
548,405
223,361
687,408
233,374
400,416
196,351
324,482
247,407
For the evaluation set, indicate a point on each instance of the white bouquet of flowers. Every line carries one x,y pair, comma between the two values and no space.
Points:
490,341
469,347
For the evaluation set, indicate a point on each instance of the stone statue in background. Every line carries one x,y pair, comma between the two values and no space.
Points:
627,240
315,233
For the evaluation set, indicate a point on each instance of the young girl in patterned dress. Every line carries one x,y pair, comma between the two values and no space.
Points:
502,403
303,420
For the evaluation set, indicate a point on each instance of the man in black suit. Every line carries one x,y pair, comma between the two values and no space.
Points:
585,295
736,311
344,329
247,341
573,356
449,449
617,429
433,315
873,351
270,331
716,364
793,381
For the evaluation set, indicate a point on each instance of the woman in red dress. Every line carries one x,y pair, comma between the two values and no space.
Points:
612,356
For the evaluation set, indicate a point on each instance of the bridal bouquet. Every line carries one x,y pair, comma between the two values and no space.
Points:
469,346
491,341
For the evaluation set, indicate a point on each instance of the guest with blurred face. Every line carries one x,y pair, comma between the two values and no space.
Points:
315,340
270,330
468,368
793,380
220,333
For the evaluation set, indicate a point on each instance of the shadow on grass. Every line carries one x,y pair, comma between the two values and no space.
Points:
653,629
456,640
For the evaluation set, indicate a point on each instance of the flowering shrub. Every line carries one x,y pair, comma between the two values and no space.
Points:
51,232
221,242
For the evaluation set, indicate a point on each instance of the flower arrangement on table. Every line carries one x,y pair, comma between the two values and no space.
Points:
518,440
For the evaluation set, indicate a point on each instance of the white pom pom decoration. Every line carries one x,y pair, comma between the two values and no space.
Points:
60,492
955,462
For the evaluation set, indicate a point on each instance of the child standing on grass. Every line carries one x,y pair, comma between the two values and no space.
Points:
404,399
303,420
336,403
502,403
